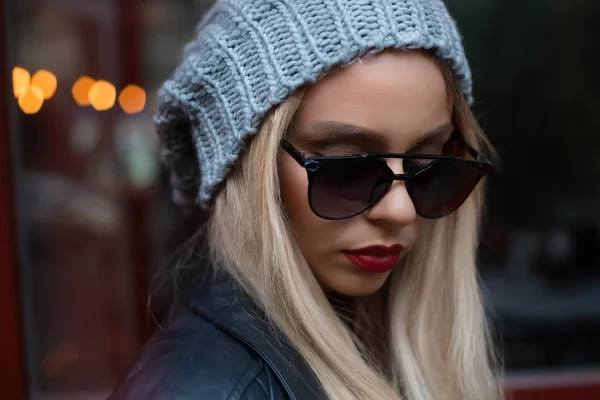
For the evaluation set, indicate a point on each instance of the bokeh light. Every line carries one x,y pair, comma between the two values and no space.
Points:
21,80
46,81
81,90
132,99
32,100
102,95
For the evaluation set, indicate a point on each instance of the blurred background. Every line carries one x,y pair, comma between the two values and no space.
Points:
87,221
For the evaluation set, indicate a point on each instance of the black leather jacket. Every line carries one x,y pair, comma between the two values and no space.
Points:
219,347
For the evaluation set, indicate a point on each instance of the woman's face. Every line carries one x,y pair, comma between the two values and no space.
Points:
394,102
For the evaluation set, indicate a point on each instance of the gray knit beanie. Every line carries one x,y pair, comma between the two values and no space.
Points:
250,55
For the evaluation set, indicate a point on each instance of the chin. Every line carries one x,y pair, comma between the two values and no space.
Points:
355,283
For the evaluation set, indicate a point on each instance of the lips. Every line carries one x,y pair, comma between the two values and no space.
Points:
375,258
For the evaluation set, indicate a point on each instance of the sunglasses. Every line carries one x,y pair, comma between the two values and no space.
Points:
345,186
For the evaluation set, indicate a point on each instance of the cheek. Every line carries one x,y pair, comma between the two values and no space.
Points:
308,228
294,185
414,232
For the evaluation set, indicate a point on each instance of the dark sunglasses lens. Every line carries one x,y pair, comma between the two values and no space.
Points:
343,187
443,187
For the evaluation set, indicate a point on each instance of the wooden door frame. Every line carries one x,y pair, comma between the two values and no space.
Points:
13,375
559,385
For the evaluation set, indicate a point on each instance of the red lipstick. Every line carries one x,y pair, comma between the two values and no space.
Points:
375,258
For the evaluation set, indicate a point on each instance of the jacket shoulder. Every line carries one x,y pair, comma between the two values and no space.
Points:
194,359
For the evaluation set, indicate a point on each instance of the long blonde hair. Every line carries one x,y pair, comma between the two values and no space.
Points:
431,340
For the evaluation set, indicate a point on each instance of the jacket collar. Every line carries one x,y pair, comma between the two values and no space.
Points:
220,301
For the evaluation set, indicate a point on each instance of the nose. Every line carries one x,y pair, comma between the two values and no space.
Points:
396,207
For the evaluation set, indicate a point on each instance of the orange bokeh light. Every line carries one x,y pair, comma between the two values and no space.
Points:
32,100
21,80
132,99
81,90
102,95
46,81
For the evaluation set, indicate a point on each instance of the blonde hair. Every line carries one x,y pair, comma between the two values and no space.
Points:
431,339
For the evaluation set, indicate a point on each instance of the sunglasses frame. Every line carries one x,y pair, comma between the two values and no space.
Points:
312,164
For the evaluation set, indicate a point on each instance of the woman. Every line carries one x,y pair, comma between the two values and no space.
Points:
332,147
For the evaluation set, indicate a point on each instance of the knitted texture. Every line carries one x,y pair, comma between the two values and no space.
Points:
249,55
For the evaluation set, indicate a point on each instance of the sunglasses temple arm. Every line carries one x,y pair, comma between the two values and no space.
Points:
296,155
474,153
477,155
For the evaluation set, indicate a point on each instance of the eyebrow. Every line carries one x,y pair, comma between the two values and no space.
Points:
442,130
332,132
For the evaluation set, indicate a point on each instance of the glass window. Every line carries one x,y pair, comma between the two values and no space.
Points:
535,68
96,213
